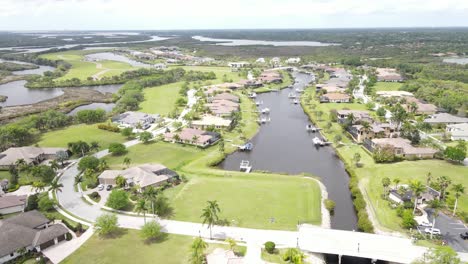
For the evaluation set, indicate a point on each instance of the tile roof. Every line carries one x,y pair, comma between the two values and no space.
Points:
12,201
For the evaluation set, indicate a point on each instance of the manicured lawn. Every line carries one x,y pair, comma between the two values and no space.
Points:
24,179
161,99
87,133
252,200
387,86
131,248
219,71
170,155
276,257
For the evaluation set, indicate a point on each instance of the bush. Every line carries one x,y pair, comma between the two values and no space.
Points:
106,224
68,236
408,219
32,203
117,149
330,205
109,127
270,247
118,199
151,231
364,224
94,195
45,203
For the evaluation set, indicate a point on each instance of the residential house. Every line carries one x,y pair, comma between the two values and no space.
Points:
388,75
31,155
335,98
404,194
222,107
143,176
193,136
359,116
12,204
226,96
360,133
422,107
402,148
232,86
135,119
260,60
30,231
275,62
394,94
458,131
235,66
446,119
207,121
270,77
293,60
250,83
400,197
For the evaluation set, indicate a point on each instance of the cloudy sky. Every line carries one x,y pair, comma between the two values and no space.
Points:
221,14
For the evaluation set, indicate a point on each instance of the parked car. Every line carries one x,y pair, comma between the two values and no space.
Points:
100,187
464,236
433,231
425,224
109,187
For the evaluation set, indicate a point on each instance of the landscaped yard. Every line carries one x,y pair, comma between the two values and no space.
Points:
131,248
388,86
87,133
23,177
161,99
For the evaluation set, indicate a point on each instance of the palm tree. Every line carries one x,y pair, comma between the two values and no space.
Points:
39,186
413,107
94,146
428,179
150,194
20,163
141,207
102,165
127,161
54,165
210,215
385,184
459,189
417,187
232,243
120,181
195,139
55,186
396,181
198,248
78,179
366,127
443,182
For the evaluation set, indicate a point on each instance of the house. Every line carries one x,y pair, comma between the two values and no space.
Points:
293,60
406,195
229,85
31,155
458,131
193,136
250,83
402,148
135,119
376,130
388,75
222,107
144,175
226,96
235,66
31,231
335,98
394,94
207,121
222,256
400,198
12,204
275,62
358,116
422,108
260,60
445,118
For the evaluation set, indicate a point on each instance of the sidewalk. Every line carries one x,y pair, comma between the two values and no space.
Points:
59,252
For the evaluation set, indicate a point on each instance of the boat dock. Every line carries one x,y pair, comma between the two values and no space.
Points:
318,142
245,166
247,147
311,128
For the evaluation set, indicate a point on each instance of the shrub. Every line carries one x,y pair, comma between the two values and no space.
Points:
364,224
117,149
330,205
94,195
68,236
151,231
270,247
89,162
32,203
45,203
109,127
408,219
118,199
106,224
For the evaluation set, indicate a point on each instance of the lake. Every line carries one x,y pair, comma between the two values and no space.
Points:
115,57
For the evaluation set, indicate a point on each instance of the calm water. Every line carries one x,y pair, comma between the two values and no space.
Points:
116,57
39,70
93,106
18,94
246,42
462,61
284,145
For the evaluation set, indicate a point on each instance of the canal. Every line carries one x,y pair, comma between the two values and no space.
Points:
283,145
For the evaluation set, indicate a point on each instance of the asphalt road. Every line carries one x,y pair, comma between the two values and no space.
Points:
450,229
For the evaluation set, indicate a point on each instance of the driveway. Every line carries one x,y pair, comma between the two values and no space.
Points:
450,229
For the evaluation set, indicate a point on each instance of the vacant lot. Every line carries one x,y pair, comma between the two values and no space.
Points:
161,99
387,86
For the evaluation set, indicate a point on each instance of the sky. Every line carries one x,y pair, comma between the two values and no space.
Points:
232,14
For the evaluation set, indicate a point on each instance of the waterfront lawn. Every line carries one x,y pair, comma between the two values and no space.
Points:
87,133
387,86
251,200
168,154
131,248
161,99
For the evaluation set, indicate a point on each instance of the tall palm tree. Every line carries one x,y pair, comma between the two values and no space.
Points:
94,146
20,163
417,187
78,179
127,161
459,189
141,207
151,195
428,179
39,186
443,182
102,165
210,215
54,165
413,107
55,186
385,184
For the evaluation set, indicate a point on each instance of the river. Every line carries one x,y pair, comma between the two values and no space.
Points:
250,42
284,145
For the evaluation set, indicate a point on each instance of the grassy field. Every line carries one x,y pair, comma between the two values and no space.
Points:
161,99
276,257
219,71
387,86
131,248
82,69
87,133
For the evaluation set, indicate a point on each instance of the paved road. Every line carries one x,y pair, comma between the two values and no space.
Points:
359,92
450,229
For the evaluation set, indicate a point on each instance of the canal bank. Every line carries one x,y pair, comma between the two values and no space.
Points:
283,145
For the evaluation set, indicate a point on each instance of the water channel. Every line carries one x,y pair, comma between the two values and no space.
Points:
284,145
249,42
115,57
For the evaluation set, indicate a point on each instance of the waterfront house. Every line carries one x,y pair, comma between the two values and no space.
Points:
193,136
135,119
293,60
403,194
270,77
235,66
358,116
208,121
12,204
226,96
30,231
222,107
422,107
446,119
360,133
31,155
144,175
335,98
458,131
250,83
401,148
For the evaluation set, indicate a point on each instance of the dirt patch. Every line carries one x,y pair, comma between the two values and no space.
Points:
72,98
12,78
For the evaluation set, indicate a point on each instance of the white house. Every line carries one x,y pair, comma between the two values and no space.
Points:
293,60
458,131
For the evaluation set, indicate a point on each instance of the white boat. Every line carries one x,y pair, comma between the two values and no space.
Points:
265,110
317,141
296,101
292,95
253,95
258,103
299,90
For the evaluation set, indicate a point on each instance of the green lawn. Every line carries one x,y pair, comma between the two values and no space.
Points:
24,179
131,248
219,71
276,257
87,133
387,86
161,99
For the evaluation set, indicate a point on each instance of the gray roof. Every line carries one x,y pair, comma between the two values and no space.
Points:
29,154
12,200
445,118
14,237
49,233
31,219
133,118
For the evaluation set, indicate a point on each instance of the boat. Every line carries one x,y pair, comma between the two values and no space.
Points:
299,90
258,103
317,141
253,95
247,147
292,95
311,128
296,101
265,110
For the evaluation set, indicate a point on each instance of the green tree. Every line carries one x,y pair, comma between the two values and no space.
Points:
399,115
39,186
46,173
337,139
443,182
439,255
142,207
127,132
385,184
94,146
356,158
117,199
45,203
436,205
210,214
79,147
417,188
396,181
127,161
454,154
55,186
197,249
61,156
117,149
221,145
106,224
150,194
120,181
145,136
89,162
151,231
293,255
54,165
231,242
459,189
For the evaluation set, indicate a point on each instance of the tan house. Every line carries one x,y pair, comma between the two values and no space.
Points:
360,133
207,121
223,107
12,204
226,96
359,116
403,148
193,136
31,155
335,98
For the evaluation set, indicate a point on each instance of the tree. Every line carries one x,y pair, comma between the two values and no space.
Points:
89,162
150,194
161,205
385,184
399,115
127,161
106,224
337,139
293,255
142,207
46,173
61,156
145,136
319,114
396,181
436,205
117,199
440,255
94,146
39,186
197,249
45,203
54,165
13,175
356,158
221,145
120,181
117,149
102,166
127,132
32,202
459,189
231,242
454,154
417,188
270,247
443,182
55,186
384,154
78,179
210,215
151,231
79,147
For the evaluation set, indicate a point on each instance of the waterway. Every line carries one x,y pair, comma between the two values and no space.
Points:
461,61
115,57
284,145
249,42
39,70
106,107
